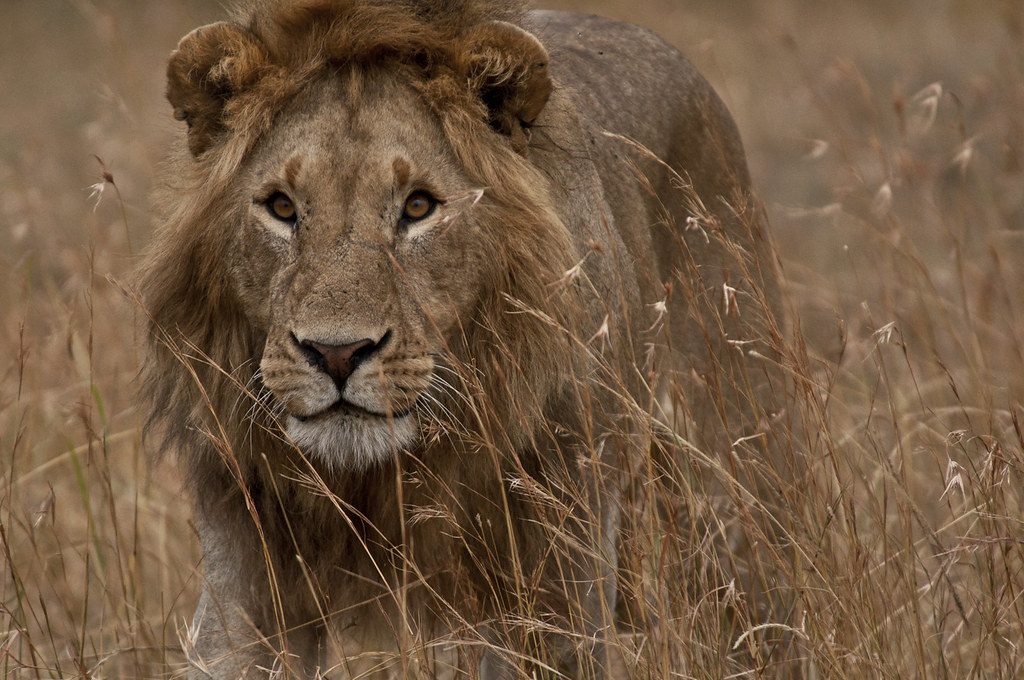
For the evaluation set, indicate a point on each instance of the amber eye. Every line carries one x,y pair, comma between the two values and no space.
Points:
419,206
281,207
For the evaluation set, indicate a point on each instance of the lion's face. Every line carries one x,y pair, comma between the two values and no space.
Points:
357,201
356,253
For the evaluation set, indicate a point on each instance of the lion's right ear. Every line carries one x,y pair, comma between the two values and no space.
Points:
211,65
507,68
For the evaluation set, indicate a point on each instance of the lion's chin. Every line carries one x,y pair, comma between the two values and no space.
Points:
344,442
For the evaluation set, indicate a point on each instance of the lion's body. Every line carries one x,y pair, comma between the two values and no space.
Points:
465,531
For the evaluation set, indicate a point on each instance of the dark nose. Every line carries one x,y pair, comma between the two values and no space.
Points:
340,361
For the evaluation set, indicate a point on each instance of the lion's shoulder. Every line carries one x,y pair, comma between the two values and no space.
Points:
628,80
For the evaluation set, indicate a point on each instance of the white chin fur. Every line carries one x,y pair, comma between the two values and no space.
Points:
352,443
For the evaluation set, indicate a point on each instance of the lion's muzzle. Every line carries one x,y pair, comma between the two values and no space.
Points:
340,361
348,401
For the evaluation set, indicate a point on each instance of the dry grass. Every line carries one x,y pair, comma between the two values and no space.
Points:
888,143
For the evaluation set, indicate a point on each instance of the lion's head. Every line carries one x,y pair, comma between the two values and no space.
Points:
355,206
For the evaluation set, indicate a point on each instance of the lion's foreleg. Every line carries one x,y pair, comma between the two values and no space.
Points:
235,633
585,573
221,643
591,583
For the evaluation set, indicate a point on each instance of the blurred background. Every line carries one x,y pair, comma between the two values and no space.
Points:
886,140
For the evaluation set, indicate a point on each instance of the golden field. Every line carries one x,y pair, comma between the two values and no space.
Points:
887,143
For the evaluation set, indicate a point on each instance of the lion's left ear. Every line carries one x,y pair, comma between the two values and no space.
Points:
212,65
507,68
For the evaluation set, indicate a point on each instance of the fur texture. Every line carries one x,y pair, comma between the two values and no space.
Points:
469,484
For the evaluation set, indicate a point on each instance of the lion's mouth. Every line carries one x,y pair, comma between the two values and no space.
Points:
345,407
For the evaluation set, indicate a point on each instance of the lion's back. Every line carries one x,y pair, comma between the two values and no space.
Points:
627,80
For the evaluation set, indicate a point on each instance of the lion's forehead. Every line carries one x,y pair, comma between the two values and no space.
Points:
339,124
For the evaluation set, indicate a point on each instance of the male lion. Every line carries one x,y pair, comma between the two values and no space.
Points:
423,268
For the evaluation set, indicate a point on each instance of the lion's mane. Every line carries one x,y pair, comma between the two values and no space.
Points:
198,380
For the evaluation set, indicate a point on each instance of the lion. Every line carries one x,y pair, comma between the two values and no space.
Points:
421,268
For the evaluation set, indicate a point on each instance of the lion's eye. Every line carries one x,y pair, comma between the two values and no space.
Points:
418,206
282,208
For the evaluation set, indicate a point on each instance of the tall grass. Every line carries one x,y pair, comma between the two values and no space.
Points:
883,538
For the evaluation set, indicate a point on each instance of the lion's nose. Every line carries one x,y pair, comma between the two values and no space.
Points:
340,361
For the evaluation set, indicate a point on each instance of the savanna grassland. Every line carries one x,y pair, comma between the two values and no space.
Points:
886,141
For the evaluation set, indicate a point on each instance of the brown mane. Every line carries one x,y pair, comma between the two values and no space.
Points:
199,379
297,32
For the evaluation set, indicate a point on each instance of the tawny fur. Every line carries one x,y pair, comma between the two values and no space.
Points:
504,511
